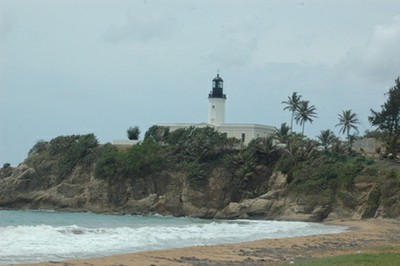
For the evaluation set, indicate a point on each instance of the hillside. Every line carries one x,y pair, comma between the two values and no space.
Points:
201,173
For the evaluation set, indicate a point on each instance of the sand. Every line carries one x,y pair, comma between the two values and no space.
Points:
376,235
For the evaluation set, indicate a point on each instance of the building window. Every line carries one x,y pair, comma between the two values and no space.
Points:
243,137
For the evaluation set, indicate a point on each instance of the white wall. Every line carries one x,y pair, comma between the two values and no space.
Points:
216,111
124,142
250,131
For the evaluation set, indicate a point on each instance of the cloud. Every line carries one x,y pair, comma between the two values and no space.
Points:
233,53
233,46
140,28
380,57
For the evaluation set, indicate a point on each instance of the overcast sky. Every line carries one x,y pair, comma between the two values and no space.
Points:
77,67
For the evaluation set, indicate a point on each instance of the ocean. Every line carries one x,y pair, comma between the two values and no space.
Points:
38,236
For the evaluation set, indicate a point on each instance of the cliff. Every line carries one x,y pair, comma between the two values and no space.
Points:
169,193
218,188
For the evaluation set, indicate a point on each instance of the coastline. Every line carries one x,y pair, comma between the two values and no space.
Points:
363,236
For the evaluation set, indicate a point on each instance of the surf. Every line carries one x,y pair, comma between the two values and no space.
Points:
34,236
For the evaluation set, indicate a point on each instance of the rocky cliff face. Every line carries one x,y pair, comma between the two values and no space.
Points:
164,192
364,201
169,193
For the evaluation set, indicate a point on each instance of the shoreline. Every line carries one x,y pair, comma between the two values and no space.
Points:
363,236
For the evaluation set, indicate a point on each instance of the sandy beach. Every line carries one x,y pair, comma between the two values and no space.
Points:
376,235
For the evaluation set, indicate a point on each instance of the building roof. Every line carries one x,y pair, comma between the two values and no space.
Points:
218,78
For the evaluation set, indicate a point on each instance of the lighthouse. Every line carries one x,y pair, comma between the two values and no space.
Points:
216,119
216,102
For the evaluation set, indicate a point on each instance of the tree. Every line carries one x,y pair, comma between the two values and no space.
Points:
292,104
326,138
376,134
133,133
282,133
300,148
263,148
198,144
305,113
348,121
388,119
156,133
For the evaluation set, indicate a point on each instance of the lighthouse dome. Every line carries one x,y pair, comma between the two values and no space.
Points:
217,88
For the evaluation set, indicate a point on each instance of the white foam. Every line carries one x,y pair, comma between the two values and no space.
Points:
33,243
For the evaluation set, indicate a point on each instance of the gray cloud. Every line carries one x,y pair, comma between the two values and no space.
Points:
380,57
235,50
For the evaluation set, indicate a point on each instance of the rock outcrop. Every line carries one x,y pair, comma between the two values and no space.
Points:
169,193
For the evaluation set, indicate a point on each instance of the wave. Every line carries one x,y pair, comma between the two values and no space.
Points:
43,242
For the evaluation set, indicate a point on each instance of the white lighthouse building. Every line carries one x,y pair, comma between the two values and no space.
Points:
216,118
216,102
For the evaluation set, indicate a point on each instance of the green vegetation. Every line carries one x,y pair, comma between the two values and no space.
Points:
305,113
282,134
326,138
388,120
137,161
381,259
67,151
324,177
133,133
292,104
158,134
348,121
198,150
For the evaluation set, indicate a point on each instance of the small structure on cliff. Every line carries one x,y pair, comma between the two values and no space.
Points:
216,118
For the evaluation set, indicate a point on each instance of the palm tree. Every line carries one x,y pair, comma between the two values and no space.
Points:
282,133
305,113
348,121
326,138
292,104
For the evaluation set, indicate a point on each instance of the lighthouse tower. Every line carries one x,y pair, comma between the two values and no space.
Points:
216,102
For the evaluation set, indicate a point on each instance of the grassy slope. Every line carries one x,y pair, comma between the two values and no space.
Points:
382,259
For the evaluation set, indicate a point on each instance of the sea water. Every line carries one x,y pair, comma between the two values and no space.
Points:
38,236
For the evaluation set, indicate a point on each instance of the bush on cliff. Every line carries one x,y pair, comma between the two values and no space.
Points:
39,147
325,176
197,151
198,144
157,133
106,163
80,149
252,166
139,160
67,151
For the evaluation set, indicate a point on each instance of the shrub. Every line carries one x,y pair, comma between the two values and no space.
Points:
198,144
347,174
286,164
39,147
158,134
74,149
61,144
106,163
139,160
197,174
133,133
